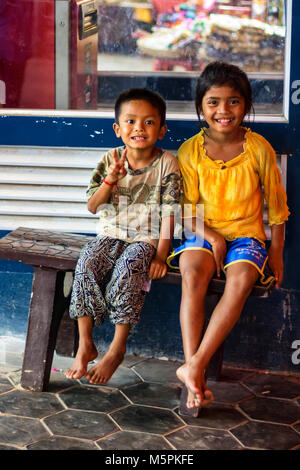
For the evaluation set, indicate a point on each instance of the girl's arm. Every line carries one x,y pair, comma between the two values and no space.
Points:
216,240
158,266
275,253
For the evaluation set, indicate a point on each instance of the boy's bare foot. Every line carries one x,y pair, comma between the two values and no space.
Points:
86,352
102,372
194,380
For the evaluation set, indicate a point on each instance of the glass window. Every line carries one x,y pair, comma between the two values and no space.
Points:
79,54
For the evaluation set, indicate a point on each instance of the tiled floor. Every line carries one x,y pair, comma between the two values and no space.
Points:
138,409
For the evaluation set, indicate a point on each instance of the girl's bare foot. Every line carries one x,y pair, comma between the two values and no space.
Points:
86,352
194,380
102,372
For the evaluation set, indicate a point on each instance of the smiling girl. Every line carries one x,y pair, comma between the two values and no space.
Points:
224,168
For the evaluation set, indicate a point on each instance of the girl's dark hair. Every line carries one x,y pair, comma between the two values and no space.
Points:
221,73
141,94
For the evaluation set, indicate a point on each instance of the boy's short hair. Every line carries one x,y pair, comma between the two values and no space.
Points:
152,97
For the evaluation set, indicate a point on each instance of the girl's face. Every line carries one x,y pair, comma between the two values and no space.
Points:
223,109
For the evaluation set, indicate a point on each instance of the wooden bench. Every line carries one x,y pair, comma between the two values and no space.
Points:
54,256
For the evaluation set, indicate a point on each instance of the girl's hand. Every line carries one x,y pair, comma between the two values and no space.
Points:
219,251
275,261
116,170
158,268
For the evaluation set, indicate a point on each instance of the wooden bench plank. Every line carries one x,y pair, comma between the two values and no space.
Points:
60,251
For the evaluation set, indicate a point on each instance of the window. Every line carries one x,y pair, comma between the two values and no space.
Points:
79,54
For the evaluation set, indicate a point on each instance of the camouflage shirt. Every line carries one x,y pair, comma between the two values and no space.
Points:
140,200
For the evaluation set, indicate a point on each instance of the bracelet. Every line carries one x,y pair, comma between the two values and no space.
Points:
109,184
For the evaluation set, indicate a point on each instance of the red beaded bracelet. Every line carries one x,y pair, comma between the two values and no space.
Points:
109,184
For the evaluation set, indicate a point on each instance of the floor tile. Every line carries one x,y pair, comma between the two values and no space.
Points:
228,392
121,378
93,399
232,374
271,409
124,440
81,424
62,362
191,438
15,377
156,370
132,360
165,396
10,362
30,404
62,443
274,385
5,385
266,436
58,382
146,419
297,427
8,447
21,431
216,415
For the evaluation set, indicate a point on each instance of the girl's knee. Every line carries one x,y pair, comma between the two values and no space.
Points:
196,278
241,283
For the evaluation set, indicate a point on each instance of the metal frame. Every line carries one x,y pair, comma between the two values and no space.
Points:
62,60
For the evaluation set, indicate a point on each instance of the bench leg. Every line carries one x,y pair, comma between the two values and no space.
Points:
46,309
67,338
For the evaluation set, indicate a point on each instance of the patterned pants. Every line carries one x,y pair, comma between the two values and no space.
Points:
109,277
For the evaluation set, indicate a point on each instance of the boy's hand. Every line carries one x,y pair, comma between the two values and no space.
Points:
116,170
275,262
158,268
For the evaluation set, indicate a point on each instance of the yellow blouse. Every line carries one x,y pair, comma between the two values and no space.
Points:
231,192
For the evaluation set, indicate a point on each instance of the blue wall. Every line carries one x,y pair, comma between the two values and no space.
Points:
265,333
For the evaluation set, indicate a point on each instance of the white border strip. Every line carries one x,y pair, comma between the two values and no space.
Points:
287,59
109,114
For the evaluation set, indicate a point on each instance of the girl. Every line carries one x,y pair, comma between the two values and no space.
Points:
224,168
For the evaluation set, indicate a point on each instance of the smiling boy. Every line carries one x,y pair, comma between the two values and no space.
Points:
128,183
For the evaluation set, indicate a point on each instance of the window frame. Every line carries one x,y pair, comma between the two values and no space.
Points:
75,128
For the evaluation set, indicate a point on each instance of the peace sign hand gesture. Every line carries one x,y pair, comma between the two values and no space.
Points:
116,170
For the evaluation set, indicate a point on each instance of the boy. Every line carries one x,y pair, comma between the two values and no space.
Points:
128,183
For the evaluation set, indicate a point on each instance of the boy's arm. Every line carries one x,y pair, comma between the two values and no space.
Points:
275,253
115,172
158,266
101,196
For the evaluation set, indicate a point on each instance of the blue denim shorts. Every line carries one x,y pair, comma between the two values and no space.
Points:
244,249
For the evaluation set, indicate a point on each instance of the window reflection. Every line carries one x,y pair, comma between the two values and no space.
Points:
79,54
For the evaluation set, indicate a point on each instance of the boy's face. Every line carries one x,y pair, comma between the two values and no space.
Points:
139,125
